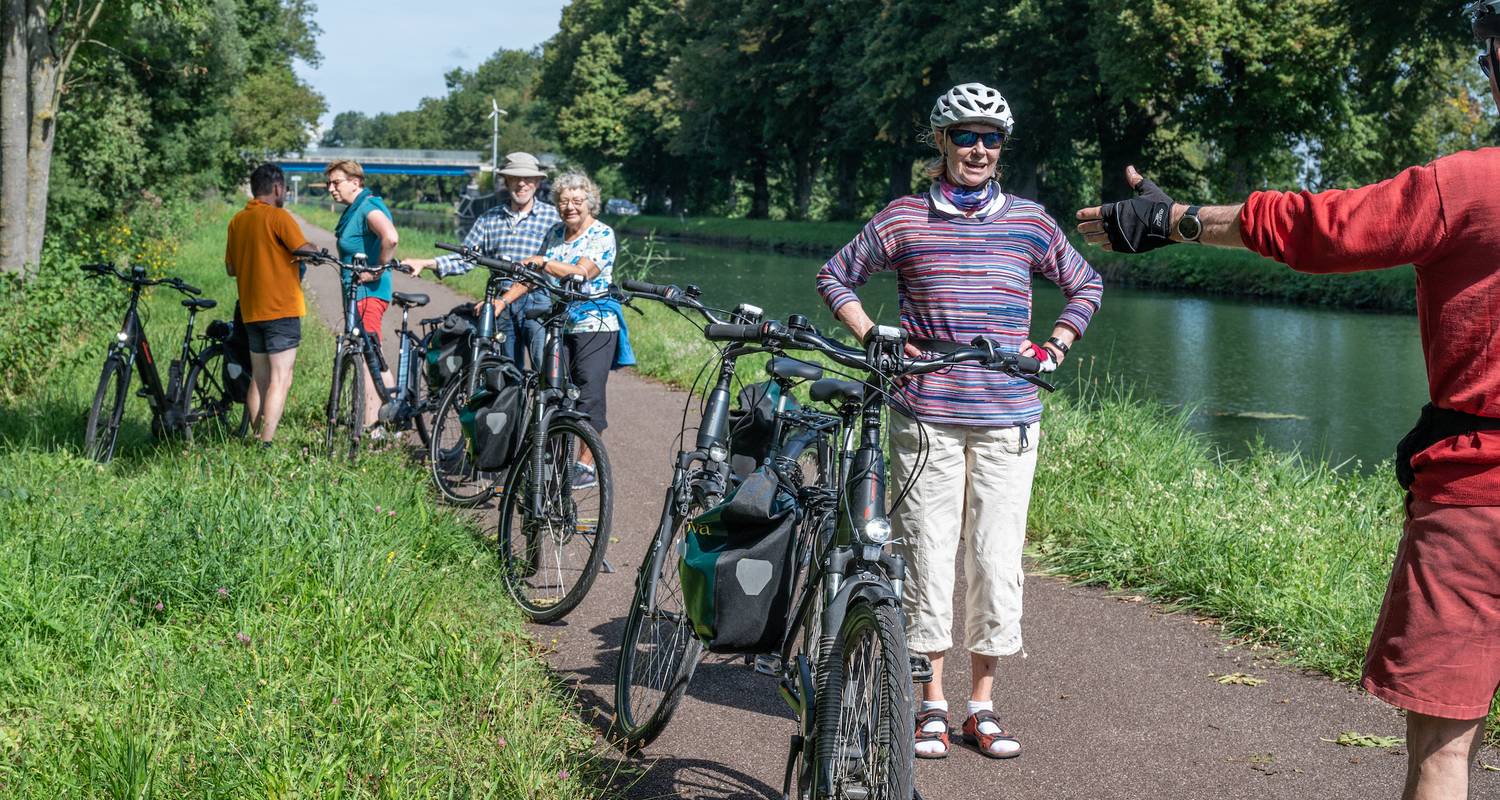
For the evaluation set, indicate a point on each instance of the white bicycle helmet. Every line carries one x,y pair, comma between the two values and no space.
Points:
1486,18
975,102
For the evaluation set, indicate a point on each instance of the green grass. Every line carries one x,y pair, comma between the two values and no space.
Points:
224,621
1283,552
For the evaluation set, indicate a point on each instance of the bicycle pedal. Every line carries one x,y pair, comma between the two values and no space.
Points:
767,664
387,412
921,669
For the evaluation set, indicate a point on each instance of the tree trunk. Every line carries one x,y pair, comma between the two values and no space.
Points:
846,190
760,194
14,135
802,182
1122,133
46,84
899,166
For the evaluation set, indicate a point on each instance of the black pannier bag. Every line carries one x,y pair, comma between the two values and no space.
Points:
737,567
493,419
448,347
235,367
752,425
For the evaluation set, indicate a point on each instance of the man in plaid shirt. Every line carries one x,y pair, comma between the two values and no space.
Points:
512,232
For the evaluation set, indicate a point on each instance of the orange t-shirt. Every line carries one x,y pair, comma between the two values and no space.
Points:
259,247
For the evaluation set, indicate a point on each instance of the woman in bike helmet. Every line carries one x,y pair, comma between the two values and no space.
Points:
964,254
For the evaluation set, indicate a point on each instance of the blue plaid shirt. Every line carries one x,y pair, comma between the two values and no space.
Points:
500,233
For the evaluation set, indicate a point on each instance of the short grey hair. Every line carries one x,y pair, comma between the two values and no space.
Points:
575,181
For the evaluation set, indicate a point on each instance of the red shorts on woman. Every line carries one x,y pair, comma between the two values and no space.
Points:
1436,646
371,311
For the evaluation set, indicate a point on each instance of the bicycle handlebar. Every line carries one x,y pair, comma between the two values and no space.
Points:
663,290
676,297
138,277
520,272
326,258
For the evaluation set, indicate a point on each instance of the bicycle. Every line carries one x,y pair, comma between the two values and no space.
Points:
553,530
188,399
843,664
355,347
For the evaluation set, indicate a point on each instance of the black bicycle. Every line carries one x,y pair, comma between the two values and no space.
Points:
844,665
554,514
194,395
356,349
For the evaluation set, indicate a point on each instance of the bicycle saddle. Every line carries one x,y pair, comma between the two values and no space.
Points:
833,389
199,303
788,368
409,299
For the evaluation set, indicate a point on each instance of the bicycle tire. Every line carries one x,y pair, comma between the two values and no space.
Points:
206,400
668,656
864,714
108,408
448,457
346,404
421,394
548,585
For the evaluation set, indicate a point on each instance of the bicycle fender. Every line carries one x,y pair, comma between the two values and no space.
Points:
563,413
864,587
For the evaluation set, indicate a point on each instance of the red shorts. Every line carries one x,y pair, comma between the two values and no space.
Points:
1436,647
371,310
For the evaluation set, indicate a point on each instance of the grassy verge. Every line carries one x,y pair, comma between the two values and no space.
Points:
1282,551
226,621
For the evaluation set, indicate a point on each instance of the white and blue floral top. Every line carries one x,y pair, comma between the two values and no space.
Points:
597,244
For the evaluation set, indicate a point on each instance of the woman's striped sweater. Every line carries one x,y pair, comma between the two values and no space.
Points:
960,277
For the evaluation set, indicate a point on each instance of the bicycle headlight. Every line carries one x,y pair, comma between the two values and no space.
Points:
878,530
121,336
718,453
573,393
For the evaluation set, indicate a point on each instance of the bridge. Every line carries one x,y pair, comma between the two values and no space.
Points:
378,161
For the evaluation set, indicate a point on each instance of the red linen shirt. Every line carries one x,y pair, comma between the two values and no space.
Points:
1445,219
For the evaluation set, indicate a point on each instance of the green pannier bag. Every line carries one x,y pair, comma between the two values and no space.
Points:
737,567
494,419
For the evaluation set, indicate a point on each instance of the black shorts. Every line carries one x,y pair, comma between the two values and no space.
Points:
274,335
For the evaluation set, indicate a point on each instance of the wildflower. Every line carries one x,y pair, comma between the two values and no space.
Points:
159,606
242,637
391,556
500,743
392,512
563,774
378,509
335,701
224,592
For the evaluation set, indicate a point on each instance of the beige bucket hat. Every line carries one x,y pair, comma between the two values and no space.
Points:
522,165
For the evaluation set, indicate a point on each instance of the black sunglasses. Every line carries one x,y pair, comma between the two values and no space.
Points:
967,138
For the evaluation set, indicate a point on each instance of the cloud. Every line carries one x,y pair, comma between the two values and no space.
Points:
458,54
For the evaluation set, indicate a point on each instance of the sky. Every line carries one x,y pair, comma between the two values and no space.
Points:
386,55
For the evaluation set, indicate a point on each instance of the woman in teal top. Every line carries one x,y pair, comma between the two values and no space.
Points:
365,227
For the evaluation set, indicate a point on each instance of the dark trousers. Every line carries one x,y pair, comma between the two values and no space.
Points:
590,357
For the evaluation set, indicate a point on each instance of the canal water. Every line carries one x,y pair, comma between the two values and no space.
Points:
1339,386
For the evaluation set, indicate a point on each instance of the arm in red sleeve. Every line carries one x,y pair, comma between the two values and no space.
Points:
1395,222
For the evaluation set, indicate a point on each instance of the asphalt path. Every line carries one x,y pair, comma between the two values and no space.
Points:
1114,697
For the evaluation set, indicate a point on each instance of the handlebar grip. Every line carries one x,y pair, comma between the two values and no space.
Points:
732,333
449,246
1028,364
642,287
187,288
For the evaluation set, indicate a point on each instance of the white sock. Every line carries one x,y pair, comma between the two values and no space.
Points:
933,726
990,729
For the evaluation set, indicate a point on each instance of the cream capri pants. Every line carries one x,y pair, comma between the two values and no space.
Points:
976,485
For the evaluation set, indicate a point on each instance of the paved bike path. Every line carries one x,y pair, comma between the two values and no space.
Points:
1114,699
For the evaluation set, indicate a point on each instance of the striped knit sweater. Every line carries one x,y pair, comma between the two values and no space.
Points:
960,277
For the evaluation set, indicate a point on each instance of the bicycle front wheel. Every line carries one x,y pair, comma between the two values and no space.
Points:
454,472
346,405
660,650
864,715
107,411
206,404
550,553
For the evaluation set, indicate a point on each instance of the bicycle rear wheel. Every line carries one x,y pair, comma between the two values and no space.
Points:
659,651
421,396
206,404
454,472
346,405
864,717
549,561
107,411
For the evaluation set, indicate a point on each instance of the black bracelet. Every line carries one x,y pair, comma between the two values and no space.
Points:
1053,340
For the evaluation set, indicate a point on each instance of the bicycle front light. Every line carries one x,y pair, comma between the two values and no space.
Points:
878,530
718,453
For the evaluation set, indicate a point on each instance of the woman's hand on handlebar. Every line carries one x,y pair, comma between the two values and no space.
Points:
1045,358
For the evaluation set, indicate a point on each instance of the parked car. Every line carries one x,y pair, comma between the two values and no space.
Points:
621,207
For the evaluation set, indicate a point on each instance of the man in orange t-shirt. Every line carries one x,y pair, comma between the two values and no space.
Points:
260,253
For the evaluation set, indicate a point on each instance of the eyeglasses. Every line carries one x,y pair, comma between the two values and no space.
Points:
339,181
966,138
1484,64
573,203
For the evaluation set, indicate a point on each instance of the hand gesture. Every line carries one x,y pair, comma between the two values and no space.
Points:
1137,225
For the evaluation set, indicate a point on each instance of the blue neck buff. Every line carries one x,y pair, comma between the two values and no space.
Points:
968,198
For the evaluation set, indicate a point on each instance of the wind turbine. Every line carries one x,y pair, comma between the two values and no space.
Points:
495,114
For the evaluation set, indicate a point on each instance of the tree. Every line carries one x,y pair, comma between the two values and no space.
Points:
274,113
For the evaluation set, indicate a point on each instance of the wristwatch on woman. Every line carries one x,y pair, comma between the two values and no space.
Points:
1057,344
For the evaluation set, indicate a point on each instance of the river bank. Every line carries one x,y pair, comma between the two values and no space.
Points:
218,619
1198,270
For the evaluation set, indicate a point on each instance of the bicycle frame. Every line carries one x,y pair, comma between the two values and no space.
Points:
132,345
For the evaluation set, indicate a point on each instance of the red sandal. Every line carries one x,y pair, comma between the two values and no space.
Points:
984,741
925,717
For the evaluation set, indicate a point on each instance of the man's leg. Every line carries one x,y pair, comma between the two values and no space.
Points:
1439,752
260,380
276,391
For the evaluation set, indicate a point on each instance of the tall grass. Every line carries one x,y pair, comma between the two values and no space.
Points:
227,621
